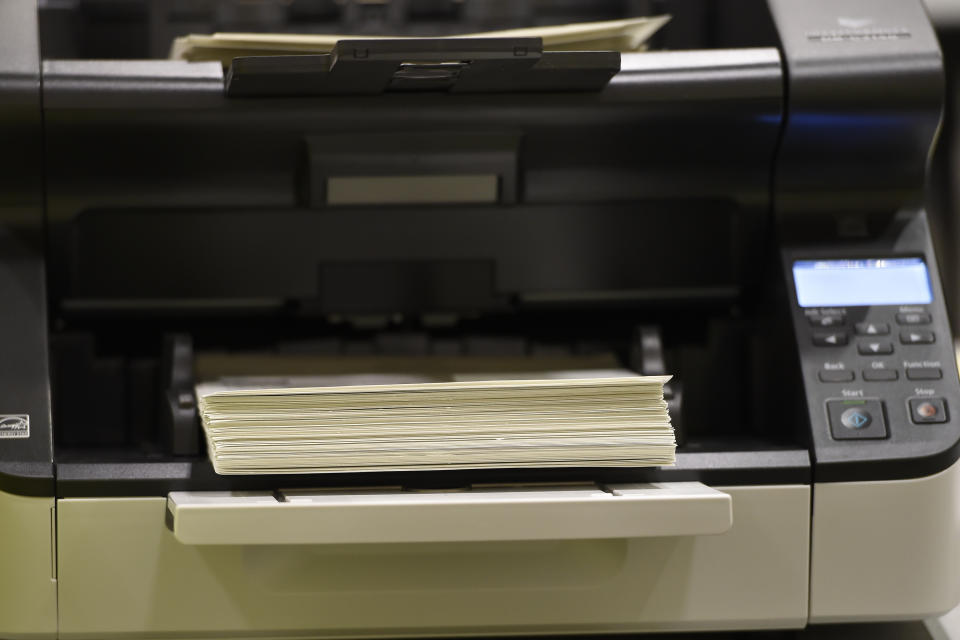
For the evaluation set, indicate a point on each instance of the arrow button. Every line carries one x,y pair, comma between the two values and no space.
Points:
831,339
916,336
872,328
874,348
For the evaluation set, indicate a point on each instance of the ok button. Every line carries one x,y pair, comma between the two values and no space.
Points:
856,418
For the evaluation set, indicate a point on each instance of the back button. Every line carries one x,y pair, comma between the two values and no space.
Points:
835,376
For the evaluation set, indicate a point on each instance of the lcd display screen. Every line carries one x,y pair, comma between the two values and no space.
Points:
853,283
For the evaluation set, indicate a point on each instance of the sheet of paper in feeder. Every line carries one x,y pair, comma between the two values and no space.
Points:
630,34
406,422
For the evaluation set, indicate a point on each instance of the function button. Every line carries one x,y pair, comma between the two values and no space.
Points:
826,321
874,347
928,410
924,373
832,339
872,328
835,376
913,318
856,419
916,336
879,375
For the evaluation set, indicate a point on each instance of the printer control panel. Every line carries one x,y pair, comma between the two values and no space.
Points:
893,348
877,359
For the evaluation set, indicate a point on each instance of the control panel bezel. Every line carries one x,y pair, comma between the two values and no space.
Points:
909,448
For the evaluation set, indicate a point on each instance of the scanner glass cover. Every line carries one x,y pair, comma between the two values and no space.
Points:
852,283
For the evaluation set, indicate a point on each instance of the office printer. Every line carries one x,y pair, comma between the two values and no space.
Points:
739,206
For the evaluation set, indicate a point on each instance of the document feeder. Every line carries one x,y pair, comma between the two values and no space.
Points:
739,207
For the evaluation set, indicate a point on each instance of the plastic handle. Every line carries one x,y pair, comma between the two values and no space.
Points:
475,515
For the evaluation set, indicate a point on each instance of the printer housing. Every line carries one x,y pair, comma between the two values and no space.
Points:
157,226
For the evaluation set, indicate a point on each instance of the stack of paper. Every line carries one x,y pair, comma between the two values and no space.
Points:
398,422
609,35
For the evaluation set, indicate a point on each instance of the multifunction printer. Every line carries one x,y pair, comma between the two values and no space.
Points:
738,206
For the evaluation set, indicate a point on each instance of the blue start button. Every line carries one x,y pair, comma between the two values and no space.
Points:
856,418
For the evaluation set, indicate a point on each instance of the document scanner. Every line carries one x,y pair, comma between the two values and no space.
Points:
739,206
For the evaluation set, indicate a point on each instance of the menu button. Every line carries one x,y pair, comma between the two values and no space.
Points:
913,318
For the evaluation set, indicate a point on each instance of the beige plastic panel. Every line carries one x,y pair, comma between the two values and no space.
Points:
886,550
480,514
123,572
28,590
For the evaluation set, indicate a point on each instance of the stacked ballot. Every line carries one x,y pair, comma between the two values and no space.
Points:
630,34
399,423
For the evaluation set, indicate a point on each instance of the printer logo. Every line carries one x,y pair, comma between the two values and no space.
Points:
854,23
16,426
857,29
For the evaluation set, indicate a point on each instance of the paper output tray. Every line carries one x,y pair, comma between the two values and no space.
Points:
458,65
382,516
